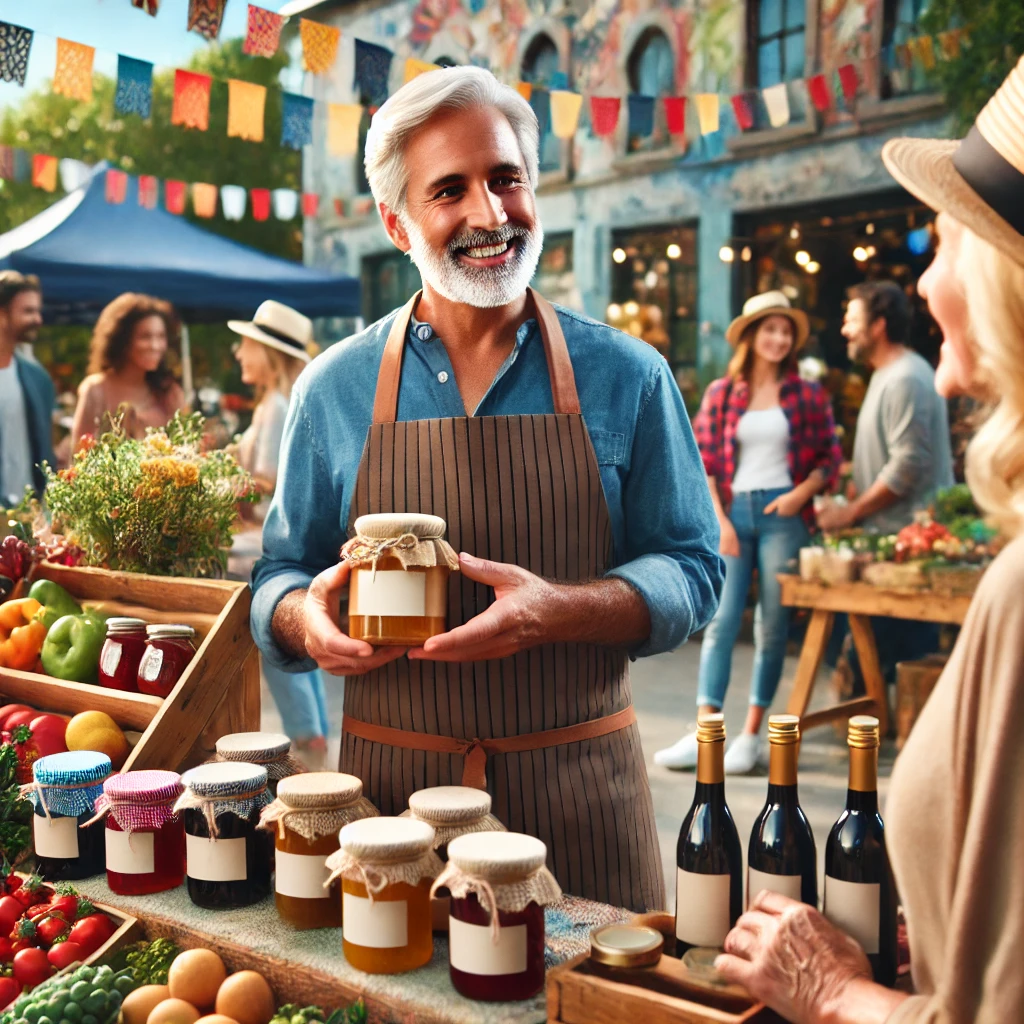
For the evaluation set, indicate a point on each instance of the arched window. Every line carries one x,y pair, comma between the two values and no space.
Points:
651,70
541,67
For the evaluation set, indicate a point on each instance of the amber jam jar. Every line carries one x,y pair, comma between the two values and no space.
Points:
386,866
398,590
169,649
499,887
305,818
145,839
227,860
122,651
270,750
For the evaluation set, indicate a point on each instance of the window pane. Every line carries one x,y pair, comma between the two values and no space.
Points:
654,71
769,70
770,18
541,62
796,13
794,55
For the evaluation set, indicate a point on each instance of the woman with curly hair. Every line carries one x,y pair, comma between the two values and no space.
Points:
128,366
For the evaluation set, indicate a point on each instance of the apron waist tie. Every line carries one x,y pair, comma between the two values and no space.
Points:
476,751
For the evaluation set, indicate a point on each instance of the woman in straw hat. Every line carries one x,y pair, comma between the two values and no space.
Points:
769,445
956,803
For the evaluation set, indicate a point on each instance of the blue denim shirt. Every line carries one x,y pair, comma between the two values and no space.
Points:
664,530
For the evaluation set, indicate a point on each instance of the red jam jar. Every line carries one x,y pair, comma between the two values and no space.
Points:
169,649
145,839
121,654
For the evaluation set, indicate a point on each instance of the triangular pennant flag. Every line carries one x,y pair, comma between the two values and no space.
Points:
319,45
260,203
820,93
191,100
7,163
205,16
641,115
73,174
296,120
565,113
675,114
44,172
414,68
339,207
22,165
949,43
343,122
850,84
115,187
540,100
904,57
134,86
151,7
73,77
525,89
204,199
286,203
923,48
372,71
15,45
604,114
708,112
744,111
174,196
776,99
246,104
310,204
263,35
148,191
232,201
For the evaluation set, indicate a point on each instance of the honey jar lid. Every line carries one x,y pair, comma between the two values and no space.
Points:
383,525
225,779
386,840
450,805
319,790
497,856
626,945
255,747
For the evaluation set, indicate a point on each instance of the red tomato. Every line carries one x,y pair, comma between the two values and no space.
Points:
20,718
64,954
10,913
50,928
9,709
91,932
31,967
32,891
6,951
10,989
48,734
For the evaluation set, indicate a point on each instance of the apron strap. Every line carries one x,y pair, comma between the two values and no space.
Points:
563,380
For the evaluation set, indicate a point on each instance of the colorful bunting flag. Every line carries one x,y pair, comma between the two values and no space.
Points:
191,100
525,89
246,104
372,71
115,186
708,114
174,196
286,203
820,93
148,191
343,122
949,43
850,84
260,203
264,32
339,207
362,207
414,68
232,201
73,77
151,7
296,120
204,199
44,172
319,45
310,204
675,114
744,111
641,115
15,45
540,101
7,163
923,48
134,86
604,115
565,113
73,174
776,99
904,56
205,16
22,165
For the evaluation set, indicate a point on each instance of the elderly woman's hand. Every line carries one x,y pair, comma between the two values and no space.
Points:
788,955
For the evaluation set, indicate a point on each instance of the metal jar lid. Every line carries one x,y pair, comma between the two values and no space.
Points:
626,945
170,631
124,624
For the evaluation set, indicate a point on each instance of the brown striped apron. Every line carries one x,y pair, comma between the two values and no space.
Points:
550,732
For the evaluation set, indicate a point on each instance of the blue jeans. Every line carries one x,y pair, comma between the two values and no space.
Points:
768,542
300,700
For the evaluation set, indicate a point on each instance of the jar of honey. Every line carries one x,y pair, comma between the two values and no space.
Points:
169,650
499,886
270,750
145,839
386,866
398,590
306,817
122,651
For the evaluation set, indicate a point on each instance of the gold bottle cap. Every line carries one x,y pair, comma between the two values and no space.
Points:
626,945
711,728
863,732
783,729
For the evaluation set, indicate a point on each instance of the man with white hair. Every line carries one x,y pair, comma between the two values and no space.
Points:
559,453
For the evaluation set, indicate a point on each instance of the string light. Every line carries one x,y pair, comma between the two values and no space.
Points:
794,232
614,311
619,255
726,254
631,308
870,229
746,255
673,252
813,267
651,280
860,254
803,257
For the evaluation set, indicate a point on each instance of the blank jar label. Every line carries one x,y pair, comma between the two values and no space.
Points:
301,875
702,908
788,885
130,853
472,949
395,592
56,837
854,908
378,925
215,860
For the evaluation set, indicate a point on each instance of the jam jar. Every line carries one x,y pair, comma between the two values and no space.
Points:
67,835
169,649
145,838
227,859
122,651
270,750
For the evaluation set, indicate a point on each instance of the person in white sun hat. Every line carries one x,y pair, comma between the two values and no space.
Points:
955,811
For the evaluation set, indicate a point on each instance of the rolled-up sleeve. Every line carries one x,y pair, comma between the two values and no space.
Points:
670,554
906,418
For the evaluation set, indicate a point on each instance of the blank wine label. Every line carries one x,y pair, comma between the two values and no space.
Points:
473,950
56,837
130,853
215,860
301,875
383,924
391,593
702,908
854,907
788,885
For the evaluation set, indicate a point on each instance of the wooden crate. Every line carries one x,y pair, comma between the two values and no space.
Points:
915,681
219,692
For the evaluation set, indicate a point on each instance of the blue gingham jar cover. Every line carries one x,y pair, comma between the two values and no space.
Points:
224,787
68,784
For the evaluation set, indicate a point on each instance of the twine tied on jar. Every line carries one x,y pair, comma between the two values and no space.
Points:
414,539
317,804
67,784
139,801
212,806
377,875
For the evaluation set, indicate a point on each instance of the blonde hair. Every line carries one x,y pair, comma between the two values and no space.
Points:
994,289
284,369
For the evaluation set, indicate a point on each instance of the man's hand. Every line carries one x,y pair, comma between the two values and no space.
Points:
836,517
786,505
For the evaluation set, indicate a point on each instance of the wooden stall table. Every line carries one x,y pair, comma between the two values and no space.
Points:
860,601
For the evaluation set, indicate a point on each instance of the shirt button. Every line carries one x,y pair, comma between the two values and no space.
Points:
423,332
443,377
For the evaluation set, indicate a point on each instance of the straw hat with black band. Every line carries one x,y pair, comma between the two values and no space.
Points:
979,180
280,327
769,304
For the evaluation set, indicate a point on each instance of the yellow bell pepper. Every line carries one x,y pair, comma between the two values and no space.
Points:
21,637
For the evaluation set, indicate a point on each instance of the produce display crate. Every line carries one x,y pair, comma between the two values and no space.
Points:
219,692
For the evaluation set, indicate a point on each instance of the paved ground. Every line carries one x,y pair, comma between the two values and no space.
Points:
664,690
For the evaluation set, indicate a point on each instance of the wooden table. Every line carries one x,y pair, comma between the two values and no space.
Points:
859,601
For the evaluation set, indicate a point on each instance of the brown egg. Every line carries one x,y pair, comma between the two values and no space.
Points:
173,1011
195,976
138,1005
216,1018
246,998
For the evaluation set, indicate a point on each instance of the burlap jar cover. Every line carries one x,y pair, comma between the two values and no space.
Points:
226,788
506,871
453,811
140,801
271,750
384,851
67,785
413,538
317,804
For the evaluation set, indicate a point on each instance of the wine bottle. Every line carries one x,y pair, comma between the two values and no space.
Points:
860,896
781,856
709,861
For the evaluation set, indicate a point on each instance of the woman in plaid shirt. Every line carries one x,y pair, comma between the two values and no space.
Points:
769,445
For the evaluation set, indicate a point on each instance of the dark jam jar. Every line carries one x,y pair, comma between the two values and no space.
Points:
169,649
122,651
64,791
228,859
270,750
145,838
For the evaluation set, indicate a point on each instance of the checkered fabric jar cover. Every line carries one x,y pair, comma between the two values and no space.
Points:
141,801
67,785
226,787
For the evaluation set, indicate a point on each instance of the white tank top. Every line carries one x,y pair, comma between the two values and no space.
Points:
763,439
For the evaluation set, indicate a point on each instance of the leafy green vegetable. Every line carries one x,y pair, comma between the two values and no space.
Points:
149,962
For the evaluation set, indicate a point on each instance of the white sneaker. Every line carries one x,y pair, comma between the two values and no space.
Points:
742,756
680,755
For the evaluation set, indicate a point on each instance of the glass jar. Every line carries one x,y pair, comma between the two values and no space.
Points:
68,841
145,839
122,651
398,590
306,817
270,750
169,649
227,858
386,927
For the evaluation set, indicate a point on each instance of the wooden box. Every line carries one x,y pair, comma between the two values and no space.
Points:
219,692
915,681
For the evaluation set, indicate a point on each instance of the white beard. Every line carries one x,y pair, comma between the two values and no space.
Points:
481,287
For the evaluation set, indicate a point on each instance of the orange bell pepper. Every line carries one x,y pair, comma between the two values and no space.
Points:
21,637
